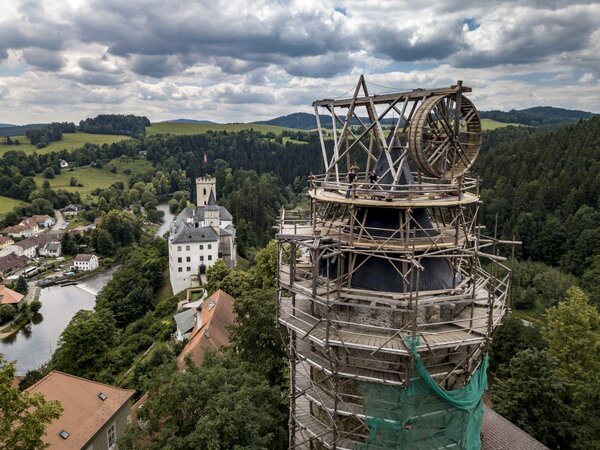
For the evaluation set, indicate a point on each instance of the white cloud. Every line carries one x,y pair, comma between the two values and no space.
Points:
235,60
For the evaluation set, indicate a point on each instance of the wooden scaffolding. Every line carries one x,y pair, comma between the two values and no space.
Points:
345,329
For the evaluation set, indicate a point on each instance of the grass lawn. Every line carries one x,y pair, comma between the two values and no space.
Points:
7,204
93,178
68,142
201,128
489,124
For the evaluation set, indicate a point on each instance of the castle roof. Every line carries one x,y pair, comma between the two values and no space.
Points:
186,234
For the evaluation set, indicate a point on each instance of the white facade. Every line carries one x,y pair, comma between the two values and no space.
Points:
199,236
185,260
85,262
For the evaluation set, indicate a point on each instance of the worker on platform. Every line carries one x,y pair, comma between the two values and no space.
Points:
373,177
351,178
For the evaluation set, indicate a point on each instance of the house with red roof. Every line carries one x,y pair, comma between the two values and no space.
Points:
94,414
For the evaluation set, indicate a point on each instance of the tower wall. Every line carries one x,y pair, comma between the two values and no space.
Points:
204,186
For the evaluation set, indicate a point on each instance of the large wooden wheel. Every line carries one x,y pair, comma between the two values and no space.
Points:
444,137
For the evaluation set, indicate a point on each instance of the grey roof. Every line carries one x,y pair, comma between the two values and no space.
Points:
186,233
501,434
211,198
230,229
224,214
53,246
185,320
197,214
11,261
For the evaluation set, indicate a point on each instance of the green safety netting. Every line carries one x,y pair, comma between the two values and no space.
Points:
424,416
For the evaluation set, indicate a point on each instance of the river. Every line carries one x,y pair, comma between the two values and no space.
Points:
168,218
33,345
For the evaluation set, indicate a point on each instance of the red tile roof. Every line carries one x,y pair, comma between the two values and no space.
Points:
84,412
8,296
217,315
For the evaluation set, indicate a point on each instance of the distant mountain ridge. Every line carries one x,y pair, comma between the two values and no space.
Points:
18,130
190,121
536,116
306,121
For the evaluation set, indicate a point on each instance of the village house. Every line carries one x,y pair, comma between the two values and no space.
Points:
94,414
52,249
5,241
85,262
10,263
71,210
43,220
210,330
30,246
18,231
30,223
63,164
9,297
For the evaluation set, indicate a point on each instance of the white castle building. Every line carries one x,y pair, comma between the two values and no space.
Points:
199,236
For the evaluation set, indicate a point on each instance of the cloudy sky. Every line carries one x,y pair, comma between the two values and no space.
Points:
232,60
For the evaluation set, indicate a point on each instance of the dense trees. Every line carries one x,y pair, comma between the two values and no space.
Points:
130,293
116,124
545,188
538,115
197,409
549,386
41,137
84,344
23,417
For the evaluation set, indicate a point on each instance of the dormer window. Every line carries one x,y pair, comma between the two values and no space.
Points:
64,434
102,396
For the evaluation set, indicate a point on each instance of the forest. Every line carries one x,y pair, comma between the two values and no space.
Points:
541,187
130,125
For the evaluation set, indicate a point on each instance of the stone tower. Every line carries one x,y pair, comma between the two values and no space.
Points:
382,289
204,186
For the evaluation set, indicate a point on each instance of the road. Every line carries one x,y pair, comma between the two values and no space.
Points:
59,220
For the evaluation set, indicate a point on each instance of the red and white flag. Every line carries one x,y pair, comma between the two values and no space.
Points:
205,159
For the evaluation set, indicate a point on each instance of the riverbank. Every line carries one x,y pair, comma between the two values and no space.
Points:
32,345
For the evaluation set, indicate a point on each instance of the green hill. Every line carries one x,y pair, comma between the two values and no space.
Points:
544,188
537,116
179,128
69,141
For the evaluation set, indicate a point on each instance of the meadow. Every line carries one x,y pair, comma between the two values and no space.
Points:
93,178
201,128
489,124
7,204
69,141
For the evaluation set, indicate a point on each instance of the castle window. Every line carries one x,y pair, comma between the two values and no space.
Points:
179,259
180,270
209,246
204,191
210,257
187,248
188,259
179,248
201,257
189,269
201,247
